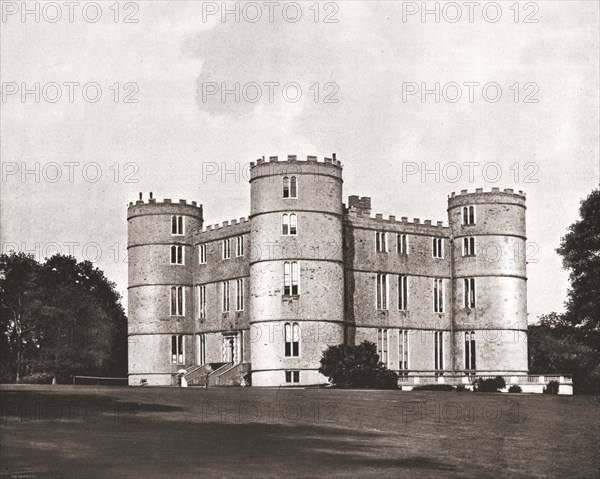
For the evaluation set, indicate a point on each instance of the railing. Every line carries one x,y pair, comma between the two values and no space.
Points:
417,377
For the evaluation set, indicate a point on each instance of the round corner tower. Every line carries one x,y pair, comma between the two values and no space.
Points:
296,268
160,306
489,281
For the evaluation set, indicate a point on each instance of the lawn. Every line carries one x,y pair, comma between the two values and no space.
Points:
87,432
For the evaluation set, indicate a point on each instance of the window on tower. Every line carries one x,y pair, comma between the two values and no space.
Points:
177,254
290,278
468,215
177,225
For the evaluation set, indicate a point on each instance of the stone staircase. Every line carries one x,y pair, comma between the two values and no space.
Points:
216,374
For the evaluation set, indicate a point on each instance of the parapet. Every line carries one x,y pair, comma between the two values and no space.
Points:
479,196
153,206
225,229
292,165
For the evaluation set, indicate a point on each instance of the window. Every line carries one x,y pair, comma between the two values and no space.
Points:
438,247
438,295
382,345
469,290
201,349
382,291
402,244
202,254
290,278
290,187
289,224
239,246
468,215
402,293
403,349
177,225
468,246
177,301
438,350
239,295
177,254
381,242
292,340
226,247
177,349
202,302
292,376
225,295
470,350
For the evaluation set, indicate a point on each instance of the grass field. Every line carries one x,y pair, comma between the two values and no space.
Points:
87,432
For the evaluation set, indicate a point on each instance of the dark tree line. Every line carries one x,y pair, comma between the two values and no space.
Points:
570,342
59,318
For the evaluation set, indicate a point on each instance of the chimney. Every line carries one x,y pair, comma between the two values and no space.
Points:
150,195
140,195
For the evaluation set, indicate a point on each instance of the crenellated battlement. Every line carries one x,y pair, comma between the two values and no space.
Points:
166,201
224,225
480,191
310,160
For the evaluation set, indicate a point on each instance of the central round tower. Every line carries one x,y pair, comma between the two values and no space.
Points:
296,268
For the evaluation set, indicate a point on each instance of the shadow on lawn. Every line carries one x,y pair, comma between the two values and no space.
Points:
175,442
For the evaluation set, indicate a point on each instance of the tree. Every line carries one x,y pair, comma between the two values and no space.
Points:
357,367
60,318
580,250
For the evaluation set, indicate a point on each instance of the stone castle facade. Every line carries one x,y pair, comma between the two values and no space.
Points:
262,297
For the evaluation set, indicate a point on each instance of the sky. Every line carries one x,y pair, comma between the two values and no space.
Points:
111,99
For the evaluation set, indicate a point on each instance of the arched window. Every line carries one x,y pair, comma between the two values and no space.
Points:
470,350
177,301
286,186
177,349
290,278
469,293
177,254
292,340
177,225
293,187
468,215
293,224
285,224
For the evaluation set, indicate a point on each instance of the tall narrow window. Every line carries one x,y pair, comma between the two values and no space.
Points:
292,340
239,290
293,187
470,350
285,224
202,254
403,349
177,349
202,302
402,293
225,295
177,301
468,215
438,295
382,345
201,349
438,349
239,246
382,291
381,242
177,225
402,244
286,186
177,254
469,292
438,247
292,376
469,246
290,278
226,247
293,224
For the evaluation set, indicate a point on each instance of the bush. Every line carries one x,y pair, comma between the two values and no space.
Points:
489,385
356,367
37,378
551,388
461,388
434,387
515,388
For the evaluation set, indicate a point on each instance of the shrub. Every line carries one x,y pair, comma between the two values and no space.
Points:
434,387
356,367
551,388
37,378
461,388
515,388
489,385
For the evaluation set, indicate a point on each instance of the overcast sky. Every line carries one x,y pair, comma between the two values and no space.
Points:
361,80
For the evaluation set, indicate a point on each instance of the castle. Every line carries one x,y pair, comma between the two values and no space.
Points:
262,297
